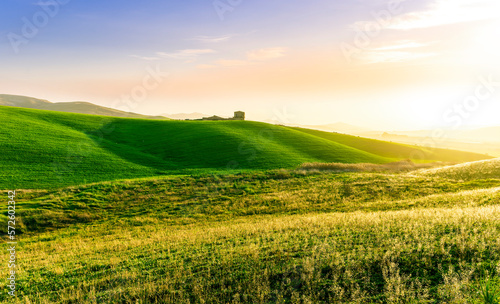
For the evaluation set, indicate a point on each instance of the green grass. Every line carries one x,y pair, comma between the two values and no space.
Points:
141,211
395,150
277,236
220,197
467,171
46,149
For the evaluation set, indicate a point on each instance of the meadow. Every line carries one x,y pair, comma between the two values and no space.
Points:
277,236
113,210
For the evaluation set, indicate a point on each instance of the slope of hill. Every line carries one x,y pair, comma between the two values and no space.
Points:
70,107
396,150
469,171
51,149
183,116
476,135
488,148
330,238
23,101
337,127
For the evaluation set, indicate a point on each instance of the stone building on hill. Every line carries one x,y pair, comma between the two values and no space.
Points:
239,115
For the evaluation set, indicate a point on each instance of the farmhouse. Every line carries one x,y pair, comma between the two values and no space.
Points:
239,115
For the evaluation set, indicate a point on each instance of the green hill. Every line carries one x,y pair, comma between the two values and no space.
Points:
46,149
469,171
70,107
396,150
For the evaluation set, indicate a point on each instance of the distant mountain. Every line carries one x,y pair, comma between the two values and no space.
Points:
71,107
183,116
484,140
23,101
478,135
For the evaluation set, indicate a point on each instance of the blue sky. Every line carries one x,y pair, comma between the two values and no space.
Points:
263,57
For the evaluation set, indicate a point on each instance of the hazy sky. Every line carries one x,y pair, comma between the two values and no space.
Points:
374,63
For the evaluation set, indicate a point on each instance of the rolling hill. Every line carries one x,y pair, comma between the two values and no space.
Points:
395,150
46,149
184,116
468,171
339,127
70,107
475,135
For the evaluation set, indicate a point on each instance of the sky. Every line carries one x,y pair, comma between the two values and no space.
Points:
378,64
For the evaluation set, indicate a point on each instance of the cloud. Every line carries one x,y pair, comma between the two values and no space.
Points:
266,54
445,12
212,39
188,54
398,51
252,57
393,56
404,44
437,13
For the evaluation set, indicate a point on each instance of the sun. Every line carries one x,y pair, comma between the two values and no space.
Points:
485,45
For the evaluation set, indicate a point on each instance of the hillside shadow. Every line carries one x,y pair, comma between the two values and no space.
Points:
105,137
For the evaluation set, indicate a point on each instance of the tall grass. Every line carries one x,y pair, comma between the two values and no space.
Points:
419,256
400,166
190,199
467,171
278,236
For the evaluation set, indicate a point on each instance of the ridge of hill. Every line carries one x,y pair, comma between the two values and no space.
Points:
482,169
397,150
339,127
184,116
47,149
80,107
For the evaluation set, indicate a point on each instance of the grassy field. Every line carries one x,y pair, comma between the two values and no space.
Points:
392,150
467,171
276,236
121,210
46,149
